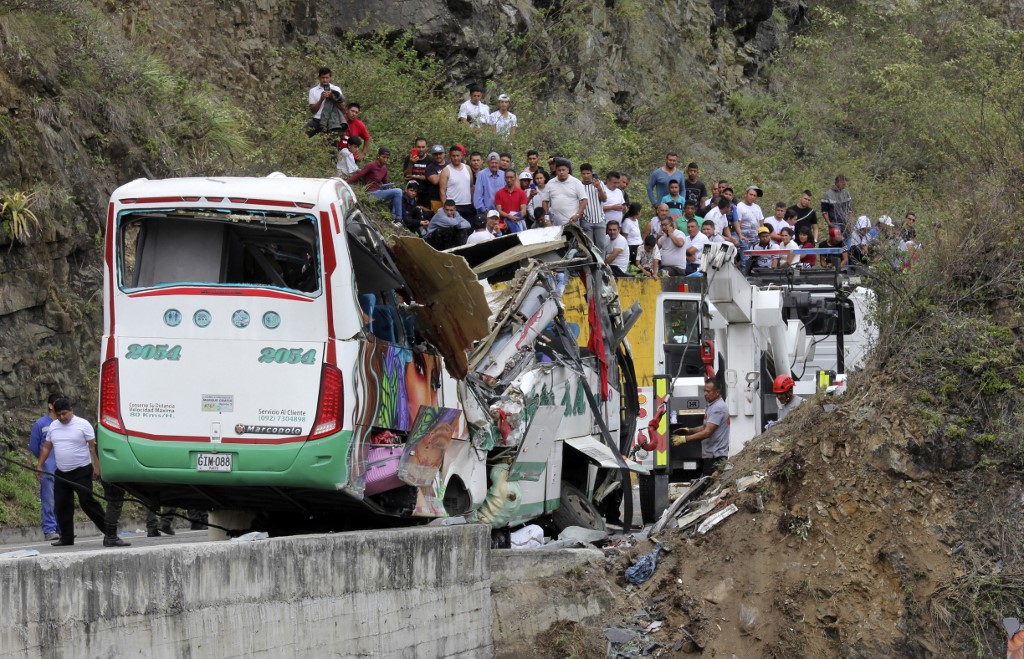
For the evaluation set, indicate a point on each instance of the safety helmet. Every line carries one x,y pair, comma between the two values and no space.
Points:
782,384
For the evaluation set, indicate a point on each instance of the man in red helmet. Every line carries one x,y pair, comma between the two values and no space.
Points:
783,388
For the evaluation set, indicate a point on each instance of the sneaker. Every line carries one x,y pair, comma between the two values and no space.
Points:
115,542
166,530
61,543
51,536
153,534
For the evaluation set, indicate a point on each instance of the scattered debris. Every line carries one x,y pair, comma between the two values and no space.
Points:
643,568
528,537
20,553
745,482
251,536
716,519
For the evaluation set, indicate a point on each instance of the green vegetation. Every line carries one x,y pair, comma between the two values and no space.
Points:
16,216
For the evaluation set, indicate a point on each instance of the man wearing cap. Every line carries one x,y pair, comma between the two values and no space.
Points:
510,203
837,205
657,184
413,217
565,199
474,113
374,175
693,189
432,192
764,242
835,239
504,122
488,182
749,219
481,230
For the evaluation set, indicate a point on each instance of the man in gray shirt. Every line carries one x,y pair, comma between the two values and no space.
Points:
837,206
713,434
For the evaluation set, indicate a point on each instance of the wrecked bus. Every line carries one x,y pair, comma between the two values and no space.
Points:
266,351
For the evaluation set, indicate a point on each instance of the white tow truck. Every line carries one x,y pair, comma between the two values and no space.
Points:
742,329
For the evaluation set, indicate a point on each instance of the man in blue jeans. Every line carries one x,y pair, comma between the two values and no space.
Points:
374,176
40,429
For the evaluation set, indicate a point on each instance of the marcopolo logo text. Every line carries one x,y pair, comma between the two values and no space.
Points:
249,429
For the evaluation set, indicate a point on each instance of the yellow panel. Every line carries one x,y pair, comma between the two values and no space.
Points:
641,337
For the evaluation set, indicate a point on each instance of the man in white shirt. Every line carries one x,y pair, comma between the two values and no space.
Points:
474,113
672,244
73,442
328,97
749,219
616,251
614,201
481,233
566,199
695,241
777,221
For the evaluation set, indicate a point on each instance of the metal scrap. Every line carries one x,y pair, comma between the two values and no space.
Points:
716,519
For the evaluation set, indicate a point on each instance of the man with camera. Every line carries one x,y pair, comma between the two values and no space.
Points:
327,104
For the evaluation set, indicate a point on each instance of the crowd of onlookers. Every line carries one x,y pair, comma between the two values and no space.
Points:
454,195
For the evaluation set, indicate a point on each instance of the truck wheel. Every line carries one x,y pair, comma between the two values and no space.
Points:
576,510
647,498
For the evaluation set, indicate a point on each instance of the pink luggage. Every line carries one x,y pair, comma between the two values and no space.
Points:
382,469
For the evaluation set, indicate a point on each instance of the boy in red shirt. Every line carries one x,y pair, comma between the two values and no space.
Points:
511,203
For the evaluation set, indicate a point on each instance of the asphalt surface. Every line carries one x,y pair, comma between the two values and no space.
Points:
94,543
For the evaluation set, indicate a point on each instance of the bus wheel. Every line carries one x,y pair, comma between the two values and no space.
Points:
456,498
236,520
576,510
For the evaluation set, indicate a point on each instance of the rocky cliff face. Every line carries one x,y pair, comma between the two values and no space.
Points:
72,144
611,54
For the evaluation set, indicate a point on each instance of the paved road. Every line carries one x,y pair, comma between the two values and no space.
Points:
93,543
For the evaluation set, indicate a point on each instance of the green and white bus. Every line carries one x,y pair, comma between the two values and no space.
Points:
265,351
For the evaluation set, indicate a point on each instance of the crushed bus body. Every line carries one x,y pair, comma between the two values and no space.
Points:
265,350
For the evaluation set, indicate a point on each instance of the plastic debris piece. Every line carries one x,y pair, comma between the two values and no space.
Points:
716,519
581,534
251,536
619,635
20,553
643,569
528,537
1014,638
747,481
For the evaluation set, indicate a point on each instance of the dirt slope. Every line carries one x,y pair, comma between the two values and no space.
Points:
859,550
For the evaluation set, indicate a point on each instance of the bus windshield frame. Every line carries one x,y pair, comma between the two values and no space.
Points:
220,248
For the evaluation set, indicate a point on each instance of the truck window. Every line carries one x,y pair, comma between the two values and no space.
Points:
163,248
681,322
824,324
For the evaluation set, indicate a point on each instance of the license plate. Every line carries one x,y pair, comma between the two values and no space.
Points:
213,462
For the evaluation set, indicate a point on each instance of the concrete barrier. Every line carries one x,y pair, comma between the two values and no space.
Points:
421,592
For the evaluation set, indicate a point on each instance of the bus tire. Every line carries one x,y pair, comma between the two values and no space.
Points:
576,509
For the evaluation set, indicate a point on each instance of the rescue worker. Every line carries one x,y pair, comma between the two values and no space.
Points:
783,388
715,430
